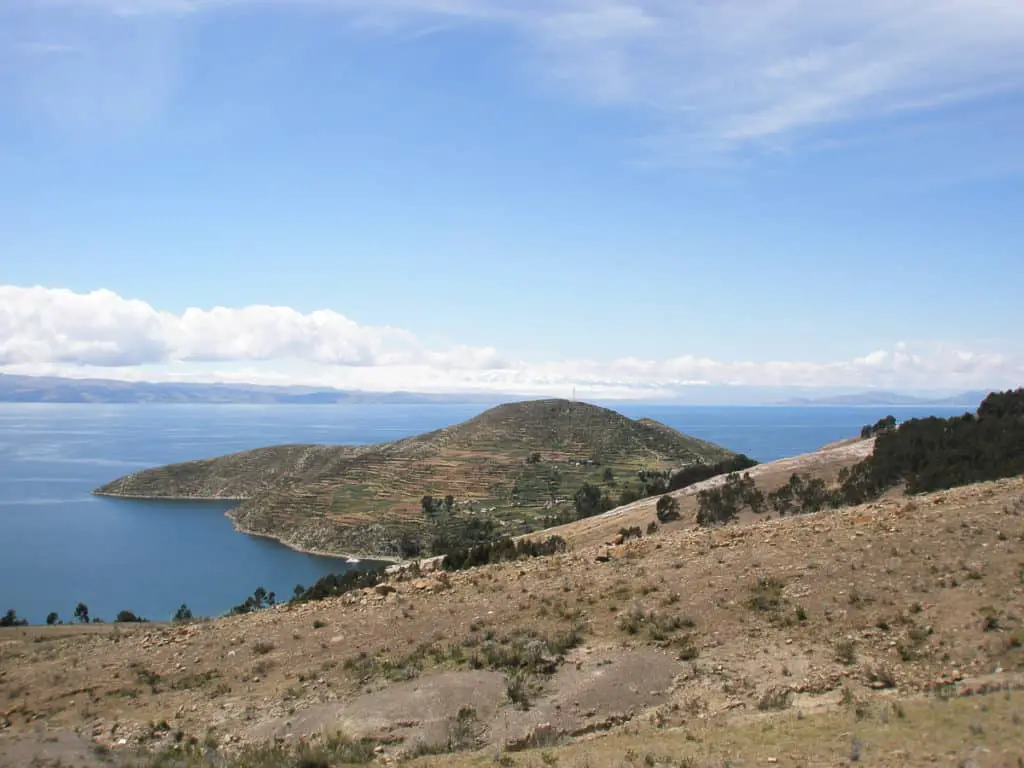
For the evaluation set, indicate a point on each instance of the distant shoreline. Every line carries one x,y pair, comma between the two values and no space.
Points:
183,499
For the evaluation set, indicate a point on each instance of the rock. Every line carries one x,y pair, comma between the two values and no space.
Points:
384,589
431,564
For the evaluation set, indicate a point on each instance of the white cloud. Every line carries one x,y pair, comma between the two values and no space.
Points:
725,73
42,325
60,332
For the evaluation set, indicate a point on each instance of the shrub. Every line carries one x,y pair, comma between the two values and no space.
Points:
766,594
10,619
518,691
262,648
696,473
127,617
775,698
632,532
846,651
184,613
667,509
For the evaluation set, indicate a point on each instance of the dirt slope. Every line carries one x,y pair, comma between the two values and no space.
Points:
825,463
795,639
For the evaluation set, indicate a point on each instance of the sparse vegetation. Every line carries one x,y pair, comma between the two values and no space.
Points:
720,505
766,595
846,651
127,617
10,619
184,613
699,472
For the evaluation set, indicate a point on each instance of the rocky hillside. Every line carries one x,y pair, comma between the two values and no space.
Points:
514,464
825,463
887,634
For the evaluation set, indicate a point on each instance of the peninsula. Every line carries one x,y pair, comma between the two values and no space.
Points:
511,470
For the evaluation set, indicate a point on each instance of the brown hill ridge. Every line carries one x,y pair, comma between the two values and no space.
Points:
516,463
888,634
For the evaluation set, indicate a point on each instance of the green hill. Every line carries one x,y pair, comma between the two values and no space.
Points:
509,467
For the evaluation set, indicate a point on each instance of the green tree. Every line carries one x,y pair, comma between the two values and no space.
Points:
127,617
590,501
10,619
184,613
430,508
82,613
52,618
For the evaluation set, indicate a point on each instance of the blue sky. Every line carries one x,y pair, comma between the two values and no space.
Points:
627,195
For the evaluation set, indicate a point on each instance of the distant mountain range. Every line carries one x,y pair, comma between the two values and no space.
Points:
967,399
52,389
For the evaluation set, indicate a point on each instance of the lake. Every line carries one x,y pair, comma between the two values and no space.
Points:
61,545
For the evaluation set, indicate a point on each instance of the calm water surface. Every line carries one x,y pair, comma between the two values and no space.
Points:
61,545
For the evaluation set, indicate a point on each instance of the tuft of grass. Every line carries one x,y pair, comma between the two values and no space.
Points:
262,647
766,595
846,651
775,698
517,688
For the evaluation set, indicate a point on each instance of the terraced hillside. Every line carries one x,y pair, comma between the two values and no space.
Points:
513,464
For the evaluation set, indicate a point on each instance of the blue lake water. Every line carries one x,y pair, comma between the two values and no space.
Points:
60,545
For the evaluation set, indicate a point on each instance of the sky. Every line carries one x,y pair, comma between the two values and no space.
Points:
629,197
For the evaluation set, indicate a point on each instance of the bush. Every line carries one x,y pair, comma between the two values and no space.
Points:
766,595
775,698
184,613
127,617
667,509
699,472
933,454
846,651
717,506
589,500
633,532
10,619
500,551
262,648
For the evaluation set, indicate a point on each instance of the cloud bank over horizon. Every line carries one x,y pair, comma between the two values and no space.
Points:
50,331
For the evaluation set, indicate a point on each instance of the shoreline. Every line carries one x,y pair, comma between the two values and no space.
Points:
238,528
305,551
